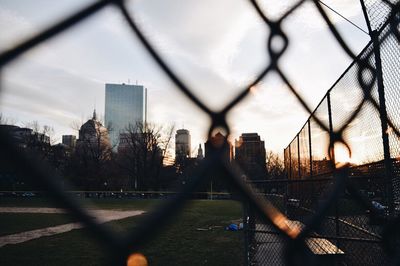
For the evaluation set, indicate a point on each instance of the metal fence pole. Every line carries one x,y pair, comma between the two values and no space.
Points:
285,161
298,162
290,164
287,189
332,151
331,148
310,147
364,9
382,112
298,155
384,122
312,197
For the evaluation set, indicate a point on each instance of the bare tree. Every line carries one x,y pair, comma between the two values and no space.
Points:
76,125
46,132
40,139
275,166
141,152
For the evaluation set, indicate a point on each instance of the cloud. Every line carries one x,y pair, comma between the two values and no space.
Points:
12,35
215,46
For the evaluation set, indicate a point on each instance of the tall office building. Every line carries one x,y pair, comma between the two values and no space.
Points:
126,105
182,145
69,141
216,141
250,154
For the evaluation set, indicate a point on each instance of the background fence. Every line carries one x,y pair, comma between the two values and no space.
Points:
349,230
374,147
348,234
352,112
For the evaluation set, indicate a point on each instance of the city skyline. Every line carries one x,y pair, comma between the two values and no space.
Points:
44,84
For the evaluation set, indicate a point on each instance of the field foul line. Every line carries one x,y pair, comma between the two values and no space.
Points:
101,215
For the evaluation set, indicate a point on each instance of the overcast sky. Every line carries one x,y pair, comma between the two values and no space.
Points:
214,46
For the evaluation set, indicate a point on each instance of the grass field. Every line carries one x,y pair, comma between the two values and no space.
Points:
179,243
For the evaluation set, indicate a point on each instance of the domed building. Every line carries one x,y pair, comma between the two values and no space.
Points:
94,137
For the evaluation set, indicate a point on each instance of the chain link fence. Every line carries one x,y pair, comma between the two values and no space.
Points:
356,124
323,213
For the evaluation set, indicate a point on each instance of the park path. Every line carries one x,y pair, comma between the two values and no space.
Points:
101,216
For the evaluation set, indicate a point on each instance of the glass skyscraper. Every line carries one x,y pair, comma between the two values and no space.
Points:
126,105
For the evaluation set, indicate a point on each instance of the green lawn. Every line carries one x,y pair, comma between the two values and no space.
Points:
180,243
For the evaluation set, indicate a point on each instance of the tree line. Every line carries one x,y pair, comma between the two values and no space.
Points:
137,164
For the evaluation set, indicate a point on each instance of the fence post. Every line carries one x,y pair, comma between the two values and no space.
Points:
364,9
298,155
310,147
287,189
332,151
312,198
382,112
290,163
384,121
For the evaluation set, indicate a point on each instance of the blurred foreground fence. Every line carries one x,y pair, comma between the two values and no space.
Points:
322,213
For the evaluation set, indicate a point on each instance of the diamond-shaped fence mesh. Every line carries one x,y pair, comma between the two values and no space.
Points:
378,12
304,150
350,226
320,162
331,209
363,134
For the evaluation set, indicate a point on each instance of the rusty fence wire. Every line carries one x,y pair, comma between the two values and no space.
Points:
324,212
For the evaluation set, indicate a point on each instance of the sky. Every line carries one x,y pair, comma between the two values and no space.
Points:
216,47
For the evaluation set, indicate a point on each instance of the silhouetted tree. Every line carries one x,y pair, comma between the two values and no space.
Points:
141,153
275,166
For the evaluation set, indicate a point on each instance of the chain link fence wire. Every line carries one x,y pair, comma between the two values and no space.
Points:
320,163
378,12
369,147
324,213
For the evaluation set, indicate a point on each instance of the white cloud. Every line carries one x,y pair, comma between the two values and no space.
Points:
10,36
215,46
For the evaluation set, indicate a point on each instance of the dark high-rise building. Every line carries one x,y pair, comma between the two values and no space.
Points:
69,141
182,144
217,140
215,180
250,154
